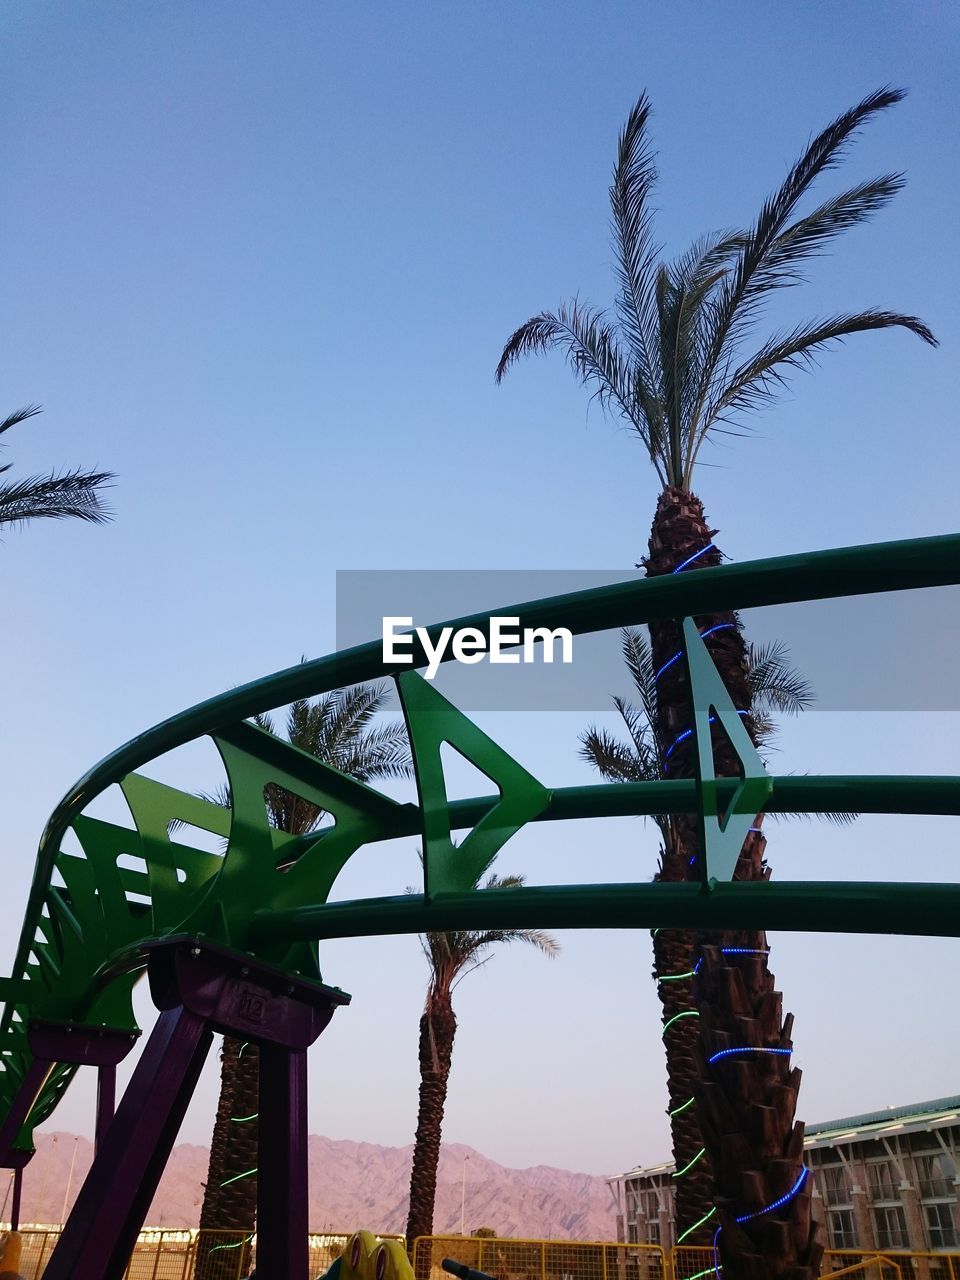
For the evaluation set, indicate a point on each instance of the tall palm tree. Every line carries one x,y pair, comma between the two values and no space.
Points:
775,689
679,360
451,956
74,494
337,729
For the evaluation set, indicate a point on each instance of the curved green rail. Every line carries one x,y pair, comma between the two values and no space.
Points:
90,915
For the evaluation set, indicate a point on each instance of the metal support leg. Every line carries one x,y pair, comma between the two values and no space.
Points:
200,988
282,1207
17,1192
99,1235
26,1095
106,1101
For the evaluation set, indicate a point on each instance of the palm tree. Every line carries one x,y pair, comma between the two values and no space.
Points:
56,496
451,956
337,730
680,362
775,689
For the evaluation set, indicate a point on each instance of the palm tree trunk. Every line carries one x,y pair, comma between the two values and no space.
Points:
230,1196
745,1103
674,954
438,1027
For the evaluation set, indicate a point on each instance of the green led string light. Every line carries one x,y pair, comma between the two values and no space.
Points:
689,1231
690,1163
238,1244
677,977
682,1107
237,1176
687,1013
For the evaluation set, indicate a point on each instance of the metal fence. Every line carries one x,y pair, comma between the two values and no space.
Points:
510,1259
172,1255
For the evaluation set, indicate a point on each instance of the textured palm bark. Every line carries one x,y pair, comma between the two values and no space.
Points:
745,1105
438,1027
674,954
230,1211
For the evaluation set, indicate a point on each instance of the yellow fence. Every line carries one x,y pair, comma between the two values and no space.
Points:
509,1259
892,1265
172,1255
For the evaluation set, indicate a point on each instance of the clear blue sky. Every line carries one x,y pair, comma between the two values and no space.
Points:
260,261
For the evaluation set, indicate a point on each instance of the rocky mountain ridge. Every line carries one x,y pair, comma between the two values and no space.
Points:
356,1184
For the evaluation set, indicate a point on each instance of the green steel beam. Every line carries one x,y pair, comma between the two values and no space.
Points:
894,566
931,910
870,793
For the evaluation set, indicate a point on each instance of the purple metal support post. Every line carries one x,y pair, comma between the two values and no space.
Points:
17,1192
106,1101
282,1209
99,1235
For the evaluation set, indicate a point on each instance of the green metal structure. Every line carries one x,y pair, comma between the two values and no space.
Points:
93,917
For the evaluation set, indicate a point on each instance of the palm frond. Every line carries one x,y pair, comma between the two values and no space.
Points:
640,728
590,346
634,178
343,714
771,251
454,953
612,758
809,236
19,415
823,153
377,753
73,494
775,684
639,661
763,377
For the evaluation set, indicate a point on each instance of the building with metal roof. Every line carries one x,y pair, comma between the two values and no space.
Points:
884,1180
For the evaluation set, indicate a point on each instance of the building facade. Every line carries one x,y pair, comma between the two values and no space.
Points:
886,1180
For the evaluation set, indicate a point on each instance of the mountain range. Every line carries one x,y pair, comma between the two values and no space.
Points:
355,1184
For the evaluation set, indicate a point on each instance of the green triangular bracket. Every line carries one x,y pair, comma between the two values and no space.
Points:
432,721
722,832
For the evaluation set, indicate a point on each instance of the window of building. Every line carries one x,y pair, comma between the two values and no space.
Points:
883,1180
937,1173
650,1203
942,1225
843,1232
891,1227
835,1184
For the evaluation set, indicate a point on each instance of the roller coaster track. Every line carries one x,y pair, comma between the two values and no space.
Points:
95,913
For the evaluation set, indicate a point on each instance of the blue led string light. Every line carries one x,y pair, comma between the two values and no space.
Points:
759,1213
682,737
719,626
696,556
777,1204
744,1048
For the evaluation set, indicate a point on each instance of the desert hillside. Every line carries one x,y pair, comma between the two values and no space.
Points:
356,1184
